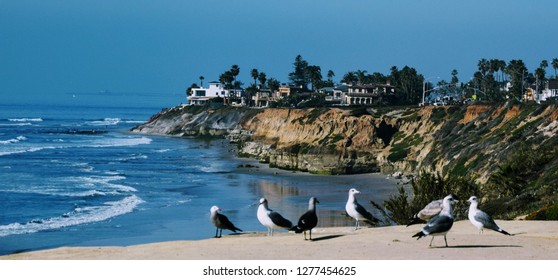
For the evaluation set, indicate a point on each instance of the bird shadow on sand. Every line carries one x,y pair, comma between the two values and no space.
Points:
482,246
326,237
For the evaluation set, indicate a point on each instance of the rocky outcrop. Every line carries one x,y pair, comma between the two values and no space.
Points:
469,140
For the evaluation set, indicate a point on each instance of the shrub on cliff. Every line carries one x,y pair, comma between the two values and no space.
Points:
426,188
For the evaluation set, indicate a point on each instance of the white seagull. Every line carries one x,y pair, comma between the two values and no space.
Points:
441,223
430,210
356,210
482,220
221,222
271,219
308,220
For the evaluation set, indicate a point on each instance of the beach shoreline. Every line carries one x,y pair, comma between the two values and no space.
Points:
532,240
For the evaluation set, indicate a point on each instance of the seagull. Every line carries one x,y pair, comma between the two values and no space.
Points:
441,223
309,219
221,222
271,219
482,220
356,210
430,210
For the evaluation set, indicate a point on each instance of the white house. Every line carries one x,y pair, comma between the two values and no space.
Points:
550,91
201,95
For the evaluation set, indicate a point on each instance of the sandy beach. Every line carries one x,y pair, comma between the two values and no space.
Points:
532,240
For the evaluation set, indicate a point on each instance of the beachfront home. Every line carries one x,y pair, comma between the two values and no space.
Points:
262,98
368,94
286,90
550,91
335,95
201,95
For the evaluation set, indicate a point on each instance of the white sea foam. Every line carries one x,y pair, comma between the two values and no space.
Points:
77,217
105,122
17,124
26,120
121,142
23,150
13,140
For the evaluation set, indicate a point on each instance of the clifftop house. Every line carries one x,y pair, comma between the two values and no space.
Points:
369,94
201,95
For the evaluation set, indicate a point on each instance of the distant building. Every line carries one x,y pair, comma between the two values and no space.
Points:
369,94
201,95
286,90
262,98
550,92
335,95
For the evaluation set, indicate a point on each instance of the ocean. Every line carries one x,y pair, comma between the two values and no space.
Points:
76,176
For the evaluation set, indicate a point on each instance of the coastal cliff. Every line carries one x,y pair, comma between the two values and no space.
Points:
468,140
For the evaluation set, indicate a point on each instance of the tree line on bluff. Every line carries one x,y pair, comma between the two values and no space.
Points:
489,81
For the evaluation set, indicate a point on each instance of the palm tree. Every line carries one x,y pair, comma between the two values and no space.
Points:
330,75
254,73
201,80
314,73
517,71
349,78
262,78
273,84
555,66
235,70
361,76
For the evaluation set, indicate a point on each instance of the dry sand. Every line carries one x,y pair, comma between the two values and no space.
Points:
533,240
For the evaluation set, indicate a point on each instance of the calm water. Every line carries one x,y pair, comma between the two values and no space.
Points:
74,176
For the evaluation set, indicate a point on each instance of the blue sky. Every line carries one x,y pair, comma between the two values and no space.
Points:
53,49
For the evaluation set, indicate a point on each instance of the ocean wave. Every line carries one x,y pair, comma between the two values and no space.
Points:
26,120
13,140
104,183
79,216
105,122
24,150
97,143
16,124
121,142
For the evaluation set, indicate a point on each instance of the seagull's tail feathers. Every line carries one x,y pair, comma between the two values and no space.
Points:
419,234
296,229
415,220
234,229
504,232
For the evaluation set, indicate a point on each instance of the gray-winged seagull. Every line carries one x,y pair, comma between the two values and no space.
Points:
271,219
430,210
308,220
482,220
221,222
356,210
441,223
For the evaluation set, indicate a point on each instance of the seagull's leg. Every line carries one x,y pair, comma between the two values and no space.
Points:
216,232
430,245
310,234
304,235
446,240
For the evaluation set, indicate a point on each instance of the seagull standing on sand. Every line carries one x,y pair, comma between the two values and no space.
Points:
440,224
221,222
430,210
356,210
271,219
308,220
482,220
